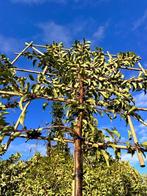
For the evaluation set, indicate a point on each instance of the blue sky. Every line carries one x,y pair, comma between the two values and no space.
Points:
115,25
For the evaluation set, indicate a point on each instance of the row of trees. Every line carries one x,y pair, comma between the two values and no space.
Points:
86,84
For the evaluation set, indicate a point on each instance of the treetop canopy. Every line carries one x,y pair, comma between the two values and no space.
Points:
87,82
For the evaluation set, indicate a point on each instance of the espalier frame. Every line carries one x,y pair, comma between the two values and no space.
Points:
76,129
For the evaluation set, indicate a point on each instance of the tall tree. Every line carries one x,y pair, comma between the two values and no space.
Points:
89,83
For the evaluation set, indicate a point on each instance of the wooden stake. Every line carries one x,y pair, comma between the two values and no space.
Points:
142,69
139,153
17,124
34,48
45,69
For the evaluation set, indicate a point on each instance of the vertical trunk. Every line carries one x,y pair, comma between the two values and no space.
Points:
48,148
78,148
78,167
73,182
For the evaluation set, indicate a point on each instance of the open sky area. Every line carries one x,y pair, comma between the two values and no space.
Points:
115,25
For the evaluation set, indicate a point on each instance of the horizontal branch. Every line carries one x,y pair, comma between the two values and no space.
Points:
35,46
131,68
95,145
56,99
32,71
41,97
102,77
10,93
142,109
62,127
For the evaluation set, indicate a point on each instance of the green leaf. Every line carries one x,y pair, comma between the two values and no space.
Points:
31,77
22,117
115,131
21,101
106,156
16,134
45,105
91,101
132,109
23,113
129,134
144,144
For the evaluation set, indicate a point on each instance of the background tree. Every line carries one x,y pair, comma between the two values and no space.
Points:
89,83
57,129
52,176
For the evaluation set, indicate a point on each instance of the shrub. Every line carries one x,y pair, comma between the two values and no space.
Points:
53,176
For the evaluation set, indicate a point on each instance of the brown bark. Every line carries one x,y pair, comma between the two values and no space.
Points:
48,148
78,148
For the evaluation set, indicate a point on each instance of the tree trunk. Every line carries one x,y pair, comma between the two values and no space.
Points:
48,148
78,148
78,167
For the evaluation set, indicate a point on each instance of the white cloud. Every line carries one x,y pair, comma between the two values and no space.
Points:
140,21
141,100
8,44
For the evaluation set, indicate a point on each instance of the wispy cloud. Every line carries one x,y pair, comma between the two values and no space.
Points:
27,149
133,160
141,100
128,157
140,21
37,2
100,32
52,31
9,44
142,132
29,2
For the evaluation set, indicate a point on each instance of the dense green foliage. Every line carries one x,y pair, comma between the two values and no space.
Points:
53,176
88,84
61,71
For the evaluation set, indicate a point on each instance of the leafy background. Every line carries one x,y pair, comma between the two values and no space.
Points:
114,25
